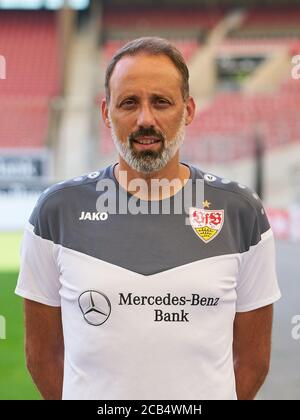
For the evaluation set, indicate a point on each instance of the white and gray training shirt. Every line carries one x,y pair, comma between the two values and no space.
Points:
148,300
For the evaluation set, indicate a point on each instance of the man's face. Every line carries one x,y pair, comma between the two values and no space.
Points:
147,114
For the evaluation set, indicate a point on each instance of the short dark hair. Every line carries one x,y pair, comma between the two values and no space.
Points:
151,46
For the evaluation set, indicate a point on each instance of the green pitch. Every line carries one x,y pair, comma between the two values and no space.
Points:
15,382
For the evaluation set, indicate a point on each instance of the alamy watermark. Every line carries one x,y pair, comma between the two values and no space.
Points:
296,328
2,67
2,328
160,196
296,68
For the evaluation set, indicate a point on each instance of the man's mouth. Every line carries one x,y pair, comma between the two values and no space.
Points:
146,140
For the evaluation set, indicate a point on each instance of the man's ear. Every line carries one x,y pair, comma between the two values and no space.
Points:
104,111
190,107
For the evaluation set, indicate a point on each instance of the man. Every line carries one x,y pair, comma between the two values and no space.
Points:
148,303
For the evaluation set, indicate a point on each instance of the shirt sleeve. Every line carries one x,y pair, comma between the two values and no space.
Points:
39,276
257,284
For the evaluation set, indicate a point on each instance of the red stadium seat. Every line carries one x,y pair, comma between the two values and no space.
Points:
30,44
127,18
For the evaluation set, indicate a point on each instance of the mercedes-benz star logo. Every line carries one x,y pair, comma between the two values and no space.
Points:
95,307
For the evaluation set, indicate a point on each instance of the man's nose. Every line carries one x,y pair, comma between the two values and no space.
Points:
145,117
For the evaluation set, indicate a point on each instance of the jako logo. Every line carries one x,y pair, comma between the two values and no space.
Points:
87,215
296,328
95,307
296,68
2,67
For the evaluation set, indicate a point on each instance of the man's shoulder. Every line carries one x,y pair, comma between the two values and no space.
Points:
66,193
228,188
72,186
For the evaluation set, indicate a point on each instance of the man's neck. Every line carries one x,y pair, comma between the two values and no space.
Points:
149,186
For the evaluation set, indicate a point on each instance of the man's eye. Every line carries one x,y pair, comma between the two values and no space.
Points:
162,102
128,103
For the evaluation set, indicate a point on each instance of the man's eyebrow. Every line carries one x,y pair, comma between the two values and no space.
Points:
136,97
126,96
161,95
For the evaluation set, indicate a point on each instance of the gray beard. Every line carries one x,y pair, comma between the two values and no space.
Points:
147,162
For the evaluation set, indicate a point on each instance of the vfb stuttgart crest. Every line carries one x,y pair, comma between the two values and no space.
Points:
207,224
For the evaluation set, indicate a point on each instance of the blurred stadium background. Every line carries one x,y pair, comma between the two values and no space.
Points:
243,59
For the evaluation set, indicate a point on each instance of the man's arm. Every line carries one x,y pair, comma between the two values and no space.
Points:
44,346
251,350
